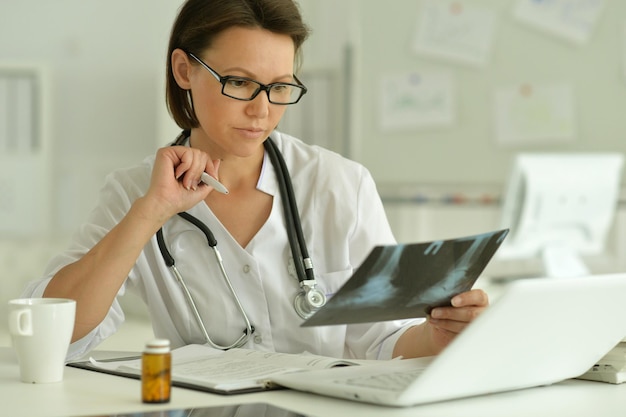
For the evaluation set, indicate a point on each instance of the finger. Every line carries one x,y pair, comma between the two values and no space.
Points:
214,168
475,297
182,160
196,169
461,314
190,166
448,327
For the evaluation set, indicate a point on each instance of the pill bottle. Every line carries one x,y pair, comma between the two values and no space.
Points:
156,365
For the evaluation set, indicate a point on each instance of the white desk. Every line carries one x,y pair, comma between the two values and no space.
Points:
90,393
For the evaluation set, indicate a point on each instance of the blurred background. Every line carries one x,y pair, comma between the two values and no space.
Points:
435,97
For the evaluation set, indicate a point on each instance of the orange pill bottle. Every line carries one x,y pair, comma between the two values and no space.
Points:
156,366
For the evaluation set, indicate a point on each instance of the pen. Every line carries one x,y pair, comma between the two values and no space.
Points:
209,180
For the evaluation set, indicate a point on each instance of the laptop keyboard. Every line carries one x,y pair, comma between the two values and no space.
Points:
391,381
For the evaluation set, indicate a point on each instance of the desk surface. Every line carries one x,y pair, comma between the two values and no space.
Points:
90,393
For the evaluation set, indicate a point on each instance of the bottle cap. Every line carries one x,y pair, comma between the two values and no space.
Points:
158,346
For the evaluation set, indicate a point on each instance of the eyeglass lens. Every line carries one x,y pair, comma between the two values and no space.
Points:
245,89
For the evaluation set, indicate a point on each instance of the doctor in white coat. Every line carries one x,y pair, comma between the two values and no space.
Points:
230,79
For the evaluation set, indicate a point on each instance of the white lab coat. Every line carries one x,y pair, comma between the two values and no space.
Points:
342,219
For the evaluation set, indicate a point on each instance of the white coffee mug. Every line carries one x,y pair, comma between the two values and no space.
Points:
41,332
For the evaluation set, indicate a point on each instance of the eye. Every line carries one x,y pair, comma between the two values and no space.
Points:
237,82
281,88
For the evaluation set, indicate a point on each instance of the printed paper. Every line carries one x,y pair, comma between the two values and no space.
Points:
531,113
415,100
573,20
455,30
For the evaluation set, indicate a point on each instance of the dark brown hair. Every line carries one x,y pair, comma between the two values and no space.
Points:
200,21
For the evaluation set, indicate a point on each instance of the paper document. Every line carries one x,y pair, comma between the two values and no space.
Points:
225,372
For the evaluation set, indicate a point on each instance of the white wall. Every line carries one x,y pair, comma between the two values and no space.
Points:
467,151
106,64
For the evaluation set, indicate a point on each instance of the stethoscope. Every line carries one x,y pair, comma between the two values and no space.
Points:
308,299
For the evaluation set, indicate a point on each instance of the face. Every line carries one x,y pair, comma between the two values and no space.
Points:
229,127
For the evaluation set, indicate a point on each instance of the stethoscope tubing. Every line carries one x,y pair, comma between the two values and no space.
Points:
169,261
304,266
297,243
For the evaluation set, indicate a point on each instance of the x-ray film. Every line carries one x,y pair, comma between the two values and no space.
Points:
408,280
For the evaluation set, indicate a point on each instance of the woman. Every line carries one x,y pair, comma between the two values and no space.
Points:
230,79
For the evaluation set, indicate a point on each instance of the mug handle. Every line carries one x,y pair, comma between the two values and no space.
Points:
21,322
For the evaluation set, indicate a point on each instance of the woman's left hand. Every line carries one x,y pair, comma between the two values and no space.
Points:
446,322
441,326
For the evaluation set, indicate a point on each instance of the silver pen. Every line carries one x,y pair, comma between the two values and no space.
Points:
209,180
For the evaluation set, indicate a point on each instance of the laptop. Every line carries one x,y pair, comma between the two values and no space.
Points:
539,331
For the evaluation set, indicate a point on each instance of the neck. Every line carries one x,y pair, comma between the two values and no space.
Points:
238,173
235,172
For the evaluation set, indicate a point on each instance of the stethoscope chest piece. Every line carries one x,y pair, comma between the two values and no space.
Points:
309,300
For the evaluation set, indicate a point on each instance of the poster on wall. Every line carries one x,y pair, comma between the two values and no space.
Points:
534,113
455,31
414,100
573,20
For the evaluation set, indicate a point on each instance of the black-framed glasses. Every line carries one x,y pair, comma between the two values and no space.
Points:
246,89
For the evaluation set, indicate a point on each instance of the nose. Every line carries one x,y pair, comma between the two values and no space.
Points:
260,105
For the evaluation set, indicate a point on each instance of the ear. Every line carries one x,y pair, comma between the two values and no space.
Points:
181,69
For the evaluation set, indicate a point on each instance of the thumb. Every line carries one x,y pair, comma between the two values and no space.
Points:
216,166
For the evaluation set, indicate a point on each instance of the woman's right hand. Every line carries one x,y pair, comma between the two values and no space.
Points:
95,279
175,184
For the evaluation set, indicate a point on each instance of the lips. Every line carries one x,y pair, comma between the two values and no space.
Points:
252,132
